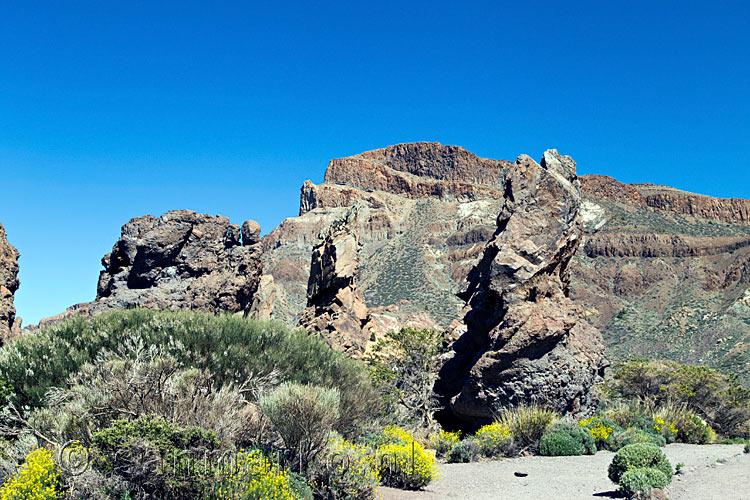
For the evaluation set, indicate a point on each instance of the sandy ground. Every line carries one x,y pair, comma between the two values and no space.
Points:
710,472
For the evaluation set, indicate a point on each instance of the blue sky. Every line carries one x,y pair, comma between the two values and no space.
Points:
112,110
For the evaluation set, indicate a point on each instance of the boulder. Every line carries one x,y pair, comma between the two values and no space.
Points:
181,260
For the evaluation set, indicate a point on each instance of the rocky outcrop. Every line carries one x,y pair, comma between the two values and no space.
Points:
425,212
9,283
181,260
336,308
525,341
668,199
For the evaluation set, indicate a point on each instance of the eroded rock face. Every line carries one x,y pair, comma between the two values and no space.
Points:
336,308
8,285
425,212
181,260
525,341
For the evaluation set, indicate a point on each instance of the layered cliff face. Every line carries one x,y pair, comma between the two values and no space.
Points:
524,341
181,260
665,273
9,283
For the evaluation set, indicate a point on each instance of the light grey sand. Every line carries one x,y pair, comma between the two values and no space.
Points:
585,477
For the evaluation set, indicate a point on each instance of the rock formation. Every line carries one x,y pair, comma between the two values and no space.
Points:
524,340
8,285
662,272
336,308
181,260
425,213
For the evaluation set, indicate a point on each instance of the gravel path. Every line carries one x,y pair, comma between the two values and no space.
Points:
585,477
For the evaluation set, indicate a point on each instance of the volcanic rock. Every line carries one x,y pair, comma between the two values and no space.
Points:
425,213
336,308
525,341
8,285
181,260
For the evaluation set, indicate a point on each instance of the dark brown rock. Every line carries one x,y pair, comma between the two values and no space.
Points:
524,340
181,260
9,323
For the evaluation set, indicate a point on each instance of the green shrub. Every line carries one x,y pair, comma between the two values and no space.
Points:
37,479
233,348
404,369
633,435
603,431
527,424
640,481
304,416
159,457
566,440
720,399
693,429
494,439
637,456
465,451
121,385
444,441
345,471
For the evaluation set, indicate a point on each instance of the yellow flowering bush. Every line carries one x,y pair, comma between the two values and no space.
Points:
346,471
494,439
252,476
665,428
444,441
395,433
601,429
37,479
406,465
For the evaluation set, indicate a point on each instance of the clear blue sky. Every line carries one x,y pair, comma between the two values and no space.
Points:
111,110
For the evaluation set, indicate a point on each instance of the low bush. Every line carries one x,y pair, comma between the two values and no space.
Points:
444,441
665,428
403,462
37,479
405,465
464,451
527,424
566,439
641,480
602,430
633,435
304,416
718,398
638,455
345,471
494,439
157,457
